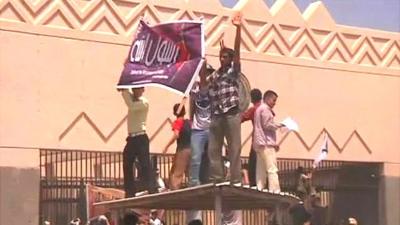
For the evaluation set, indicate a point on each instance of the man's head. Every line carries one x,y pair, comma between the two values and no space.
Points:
108,215
101,220
178,113
270,98
138,92
130,218
256,95
226,57
316,200
154,213
300,169
195,222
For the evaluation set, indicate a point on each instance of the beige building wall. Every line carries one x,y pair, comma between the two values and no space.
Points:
19,194
60,61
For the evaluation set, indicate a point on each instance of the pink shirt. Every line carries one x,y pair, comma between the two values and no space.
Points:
264,127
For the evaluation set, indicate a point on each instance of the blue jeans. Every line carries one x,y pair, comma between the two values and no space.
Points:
198,142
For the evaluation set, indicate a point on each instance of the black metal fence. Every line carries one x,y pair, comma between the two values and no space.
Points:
64,173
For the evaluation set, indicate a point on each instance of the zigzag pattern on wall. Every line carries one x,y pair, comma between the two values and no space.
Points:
106,138
330,138
84,116
269,32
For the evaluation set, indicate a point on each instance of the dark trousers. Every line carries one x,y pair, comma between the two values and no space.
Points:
221,127
138,146
252,167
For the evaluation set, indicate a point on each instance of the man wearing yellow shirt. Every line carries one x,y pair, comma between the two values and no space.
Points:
137,142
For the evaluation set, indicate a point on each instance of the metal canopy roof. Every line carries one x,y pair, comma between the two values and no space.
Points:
208,196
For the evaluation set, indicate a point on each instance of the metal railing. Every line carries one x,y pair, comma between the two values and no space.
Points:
64,173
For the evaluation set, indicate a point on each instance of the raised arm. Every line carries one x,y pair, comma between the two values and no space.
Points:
127,96
191,107
203,75
237,21
131,102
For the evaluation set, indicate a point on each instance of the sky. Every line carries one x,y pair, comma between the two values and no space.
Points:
375,14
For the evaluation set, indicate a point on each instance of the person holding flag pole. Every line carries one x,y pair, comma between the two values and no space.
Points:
304,183
305,187
137,142
300,213
167,55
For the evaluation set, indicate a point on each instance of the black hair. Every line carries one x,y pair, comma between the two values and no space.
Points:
230,52
130,219
181,113
269,94
195,222
256,95
300,170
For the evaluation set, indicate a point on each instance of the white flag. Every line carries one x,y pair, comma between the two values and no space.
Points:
323,152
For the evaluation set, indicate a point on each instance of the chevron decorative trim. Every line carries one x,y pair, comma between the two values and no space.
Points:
84,116
106,138
270,34
330,138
